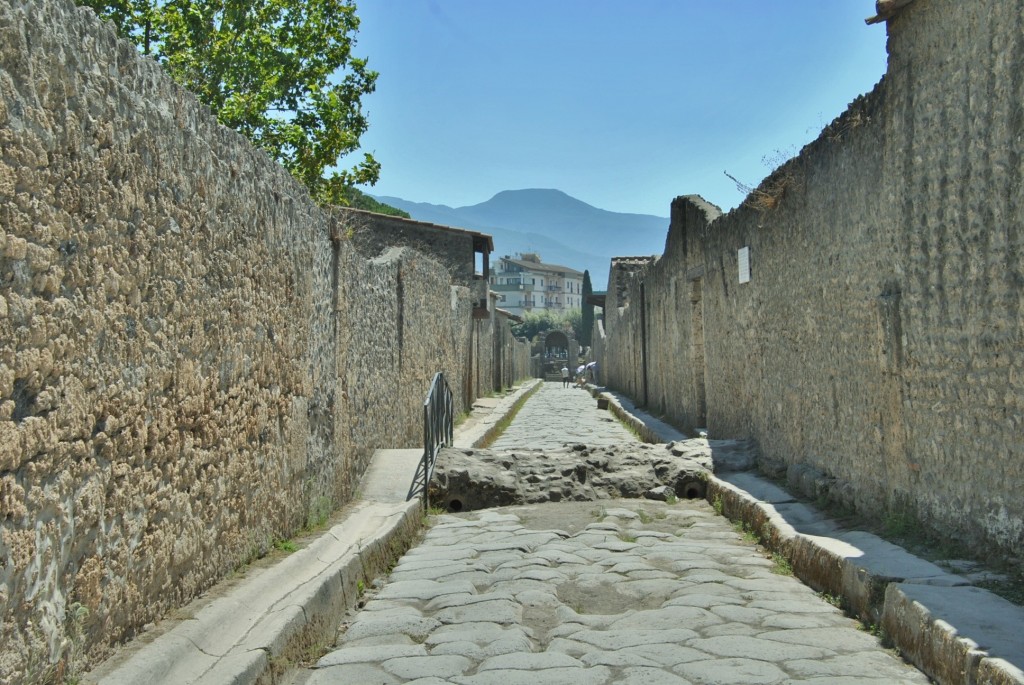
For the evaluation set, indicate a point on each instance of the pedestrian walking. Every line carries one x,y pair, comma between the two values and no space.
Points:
565,376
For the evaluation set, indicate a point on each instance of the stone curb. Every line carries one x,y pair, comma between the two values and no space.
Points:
874,590
881,598
913,617
650,430
250,633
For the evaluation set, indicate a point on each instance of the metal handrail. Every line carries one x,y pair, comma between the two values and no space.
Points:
438,427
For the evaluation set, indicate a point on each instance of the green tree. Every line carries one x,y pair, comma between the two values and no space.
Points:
533,324
538,323
280,72
587,323
353,197
572,320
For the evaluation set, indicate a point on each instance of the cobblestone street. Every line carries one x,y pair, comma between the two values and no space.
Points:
627,592
555,415
611,591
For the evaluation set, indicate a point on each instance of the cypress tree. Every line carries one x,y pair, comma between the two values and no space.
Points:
588,311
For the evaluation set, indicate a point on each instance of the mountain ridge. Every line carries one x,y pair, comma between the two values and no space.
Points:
562,229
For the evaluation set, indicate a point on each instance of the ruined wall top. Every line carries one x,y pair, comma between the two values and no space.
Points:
456,248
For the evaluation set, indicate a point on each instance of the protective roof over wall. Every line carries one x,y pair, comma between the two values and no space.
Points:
482,242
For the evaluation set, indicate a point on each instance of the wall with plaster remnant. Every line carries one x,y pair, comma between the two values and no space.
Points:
876,352
194,360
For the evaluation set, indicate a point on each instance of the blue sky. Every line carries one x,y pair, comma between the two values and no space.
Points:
624,105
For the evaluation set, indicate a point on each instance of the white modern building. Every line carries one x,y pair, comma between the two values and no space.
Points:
526,284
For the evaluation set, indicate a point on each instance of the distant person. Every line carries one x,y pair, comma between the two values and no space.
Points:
592,371
581,378
565,376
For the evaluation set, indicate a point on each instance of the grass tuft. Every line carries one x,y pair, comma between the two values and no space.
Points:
781,565
285,546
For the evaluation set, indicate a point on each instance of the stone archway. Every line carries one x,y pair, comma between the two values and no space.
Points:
556,345
559,349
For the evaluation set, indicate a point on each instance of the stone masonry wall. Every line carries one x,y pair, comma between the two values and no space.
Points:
194,360
490,342
452,247
399,322
621,357
879,340
512,363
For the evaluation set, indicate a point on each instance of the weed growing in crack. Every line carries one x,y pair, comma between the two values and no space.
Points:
781,565
718,505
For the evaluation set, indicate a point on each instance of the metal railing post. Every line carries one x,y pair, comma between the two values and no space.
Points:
438,431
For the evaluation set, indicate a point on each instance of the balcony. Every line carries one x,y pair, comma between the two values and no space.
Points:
507,287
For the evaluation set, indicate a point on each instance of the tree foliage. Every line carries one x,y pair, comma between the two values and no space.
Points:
538,323
281,72
587,315
353,197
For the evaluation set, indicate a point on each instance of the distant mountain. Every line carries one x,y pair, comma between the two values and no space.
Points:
562,229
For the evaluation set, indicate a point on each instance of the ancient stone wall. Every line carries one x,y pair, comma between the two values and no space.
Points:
497,359
194,359
452,247
622,356
490,349
878,341
399,322
512,363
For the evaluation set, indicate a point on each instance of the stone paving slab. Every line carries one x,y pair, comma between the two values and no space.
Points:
955,632
487,412
555,416
583,624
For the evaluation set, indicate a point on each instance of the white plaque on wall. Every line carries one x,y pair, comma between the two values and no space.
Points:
744,261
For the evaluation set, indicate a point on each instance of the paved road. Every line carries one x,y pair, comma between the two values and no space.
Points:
618,591
555,415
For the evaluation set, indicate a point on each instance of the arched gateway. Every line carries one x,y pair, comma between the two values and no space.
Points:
559,348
